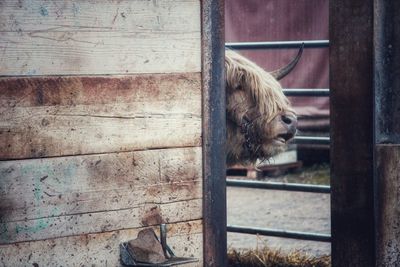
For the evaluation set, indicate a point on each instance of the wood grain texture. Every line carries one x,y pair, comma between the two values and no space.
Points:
56,116
99,37
48,198
98,249
98,222
387,203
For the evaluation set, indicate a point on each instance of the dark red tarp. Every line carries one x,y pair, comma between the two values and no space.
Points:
287,20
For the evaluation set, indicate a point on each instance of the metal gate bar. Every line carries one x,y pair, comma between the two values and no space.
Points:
312,140
279,233
279,186
278,45
306,92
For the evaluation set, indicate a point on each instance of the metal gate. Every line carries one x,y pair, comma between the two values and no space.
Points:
323,92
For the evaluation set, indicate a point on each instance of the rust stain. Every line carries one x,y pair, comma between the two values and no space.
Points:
190,187
152,217
101,93
83,240
48,91
134,163
153,190
39,95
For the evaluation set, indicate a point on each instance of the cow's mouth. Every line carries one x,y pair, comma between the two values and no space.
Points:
284,137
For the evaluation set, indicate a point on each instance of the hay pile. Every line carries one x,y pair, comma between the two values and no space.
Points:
267,257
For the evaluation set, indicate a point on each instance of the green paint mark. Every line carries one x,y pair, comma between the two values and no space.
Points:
37,172
4,233
43,11
69,171
75,9
37,192
55,212
31,72
39,225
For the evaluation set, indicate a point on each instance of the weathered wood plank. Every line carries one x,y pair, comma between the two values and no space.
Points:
98,249
387,203
55,116
98,222
99,37
39,197
126,15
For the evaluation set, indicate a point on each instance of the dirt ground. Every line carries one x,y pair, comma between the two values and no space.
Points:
297,211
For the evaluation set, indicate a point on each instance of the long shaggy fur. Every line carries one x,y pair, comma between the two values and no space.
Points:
265,90
255,95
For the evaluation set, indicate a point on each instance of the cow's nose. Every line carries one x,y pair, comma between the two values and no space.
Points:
290,121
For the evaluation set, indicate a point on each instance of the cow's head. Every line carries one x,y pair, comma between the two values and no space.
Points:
260,120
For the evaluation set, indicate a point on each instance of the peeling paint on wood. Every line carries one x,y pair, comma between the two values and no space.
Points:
42,198
99,37
98,249
98,222
71,187
56,116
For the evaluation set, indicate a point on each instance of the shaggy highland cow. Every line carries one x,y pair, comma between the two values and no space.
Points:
260,120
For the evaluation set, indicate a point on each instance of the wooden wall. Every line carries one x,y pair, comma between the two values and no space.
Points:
100,128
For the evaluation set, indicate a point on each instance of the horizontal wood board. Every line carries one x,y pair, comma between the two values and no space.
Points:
98,249
99,37
58,116
87,160
53,197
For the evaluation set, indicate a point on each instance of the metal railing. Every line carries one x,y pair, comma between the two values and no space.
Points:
312,140
316,140
279,186
306,92
278,45
279,233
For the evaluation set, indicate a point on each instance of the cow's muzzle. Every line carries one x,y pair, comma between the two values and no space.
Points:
289,122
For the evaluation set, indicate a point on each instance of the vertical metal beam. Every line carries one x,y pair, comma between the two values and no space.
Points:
214,133
387,71
387,131
351,83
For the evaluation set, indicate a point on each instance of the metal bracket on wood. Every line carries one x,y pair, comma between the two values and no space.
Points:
130,257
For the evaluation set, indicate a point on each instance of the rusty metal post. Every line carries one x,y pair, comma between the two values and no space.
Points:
214,133
387,131
351,83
